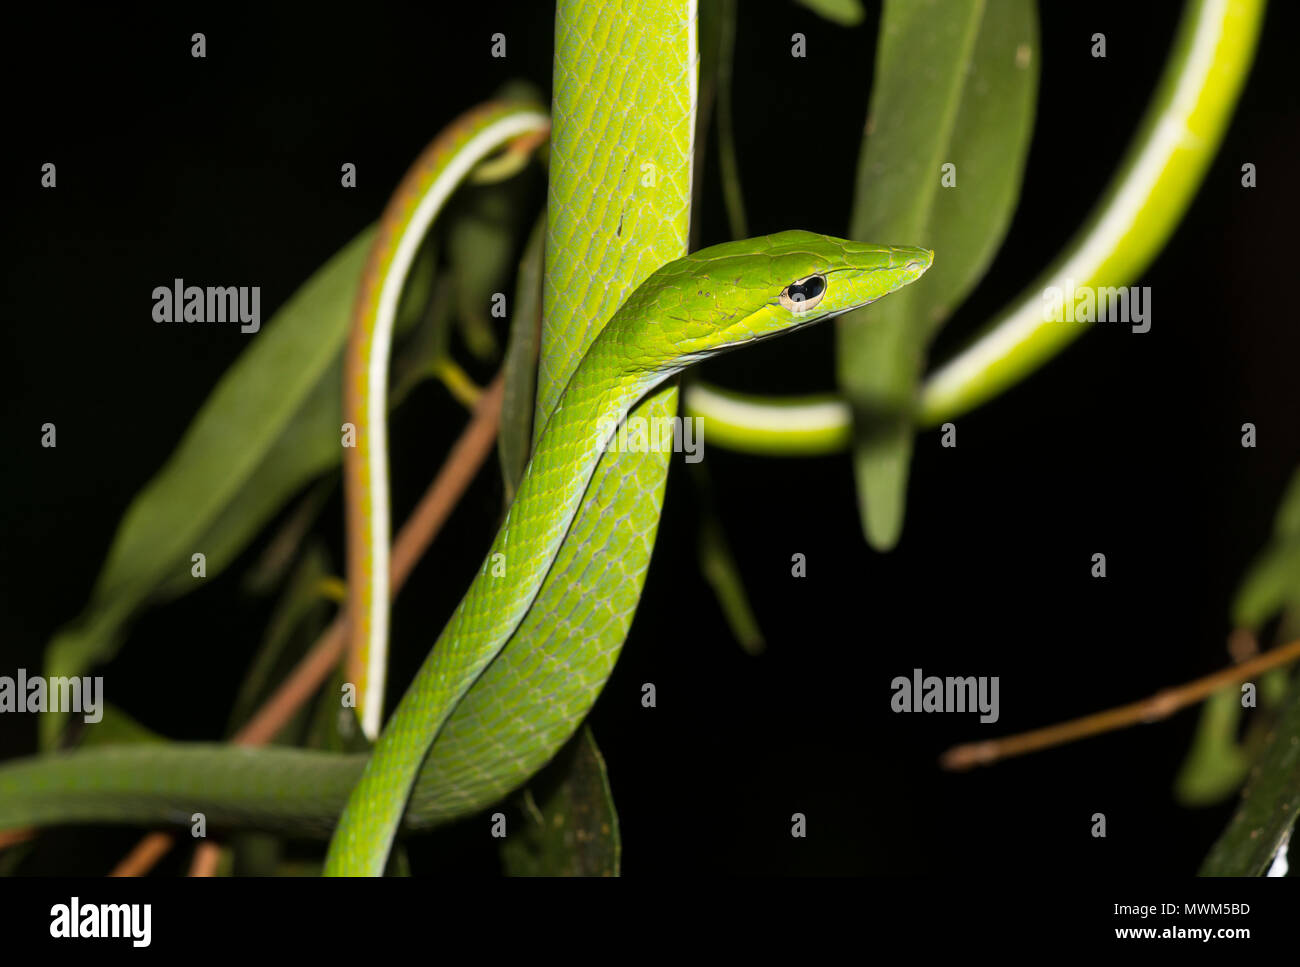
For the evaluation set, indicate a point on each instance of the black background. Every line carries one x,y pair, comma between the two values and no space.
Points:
227,169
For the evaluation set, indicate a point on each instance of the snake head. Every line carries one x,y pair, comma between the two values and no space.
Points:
729,295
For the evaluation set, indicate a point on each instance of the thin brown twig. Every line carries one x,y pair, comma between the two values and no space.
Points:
144,856
12,837
207,857
454,477
306,677
1160,705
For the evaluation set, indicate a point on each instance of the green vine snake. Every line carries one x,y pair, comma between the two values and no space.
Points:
533,640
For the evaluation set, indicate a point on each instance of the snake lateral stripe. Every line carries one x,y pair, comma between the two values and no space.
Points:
416,203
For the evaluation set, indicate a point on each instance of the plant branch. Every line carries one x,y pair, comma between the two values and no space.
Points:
1159,706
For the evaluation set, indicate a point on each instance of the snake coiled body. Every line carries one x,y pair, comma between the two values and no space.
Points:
675,318
531,644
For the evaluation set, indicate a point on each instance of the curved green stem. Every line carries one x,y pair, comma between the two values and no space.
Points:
1160,173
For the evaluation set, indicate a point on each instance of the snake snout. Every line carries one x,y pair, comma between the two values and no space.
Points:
916,260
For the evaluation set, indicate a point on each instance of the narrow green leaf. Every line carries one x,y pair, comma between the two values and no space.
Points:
571,827
308,446
519,391
270,424
1217,762
956,84
1273,579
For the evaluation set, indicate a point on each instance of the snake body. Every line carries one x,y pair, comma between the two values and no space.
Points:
414,205
529,647
710,301
716,299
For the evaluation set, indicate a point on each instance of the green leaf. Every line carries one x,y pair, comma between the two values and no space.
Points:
520,380
269,426
308,446
956,83
1215,765
1269,805
1273,581
571,827
846,13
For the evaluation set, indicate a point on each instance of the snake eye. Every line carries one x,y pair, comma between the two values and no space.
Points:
803,295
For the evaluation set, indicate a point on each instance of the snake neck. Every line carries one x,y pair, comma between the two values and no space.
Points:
595,401
586,418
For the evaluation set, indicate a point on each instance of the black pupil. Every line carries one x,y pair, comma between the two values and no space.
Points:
808,289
